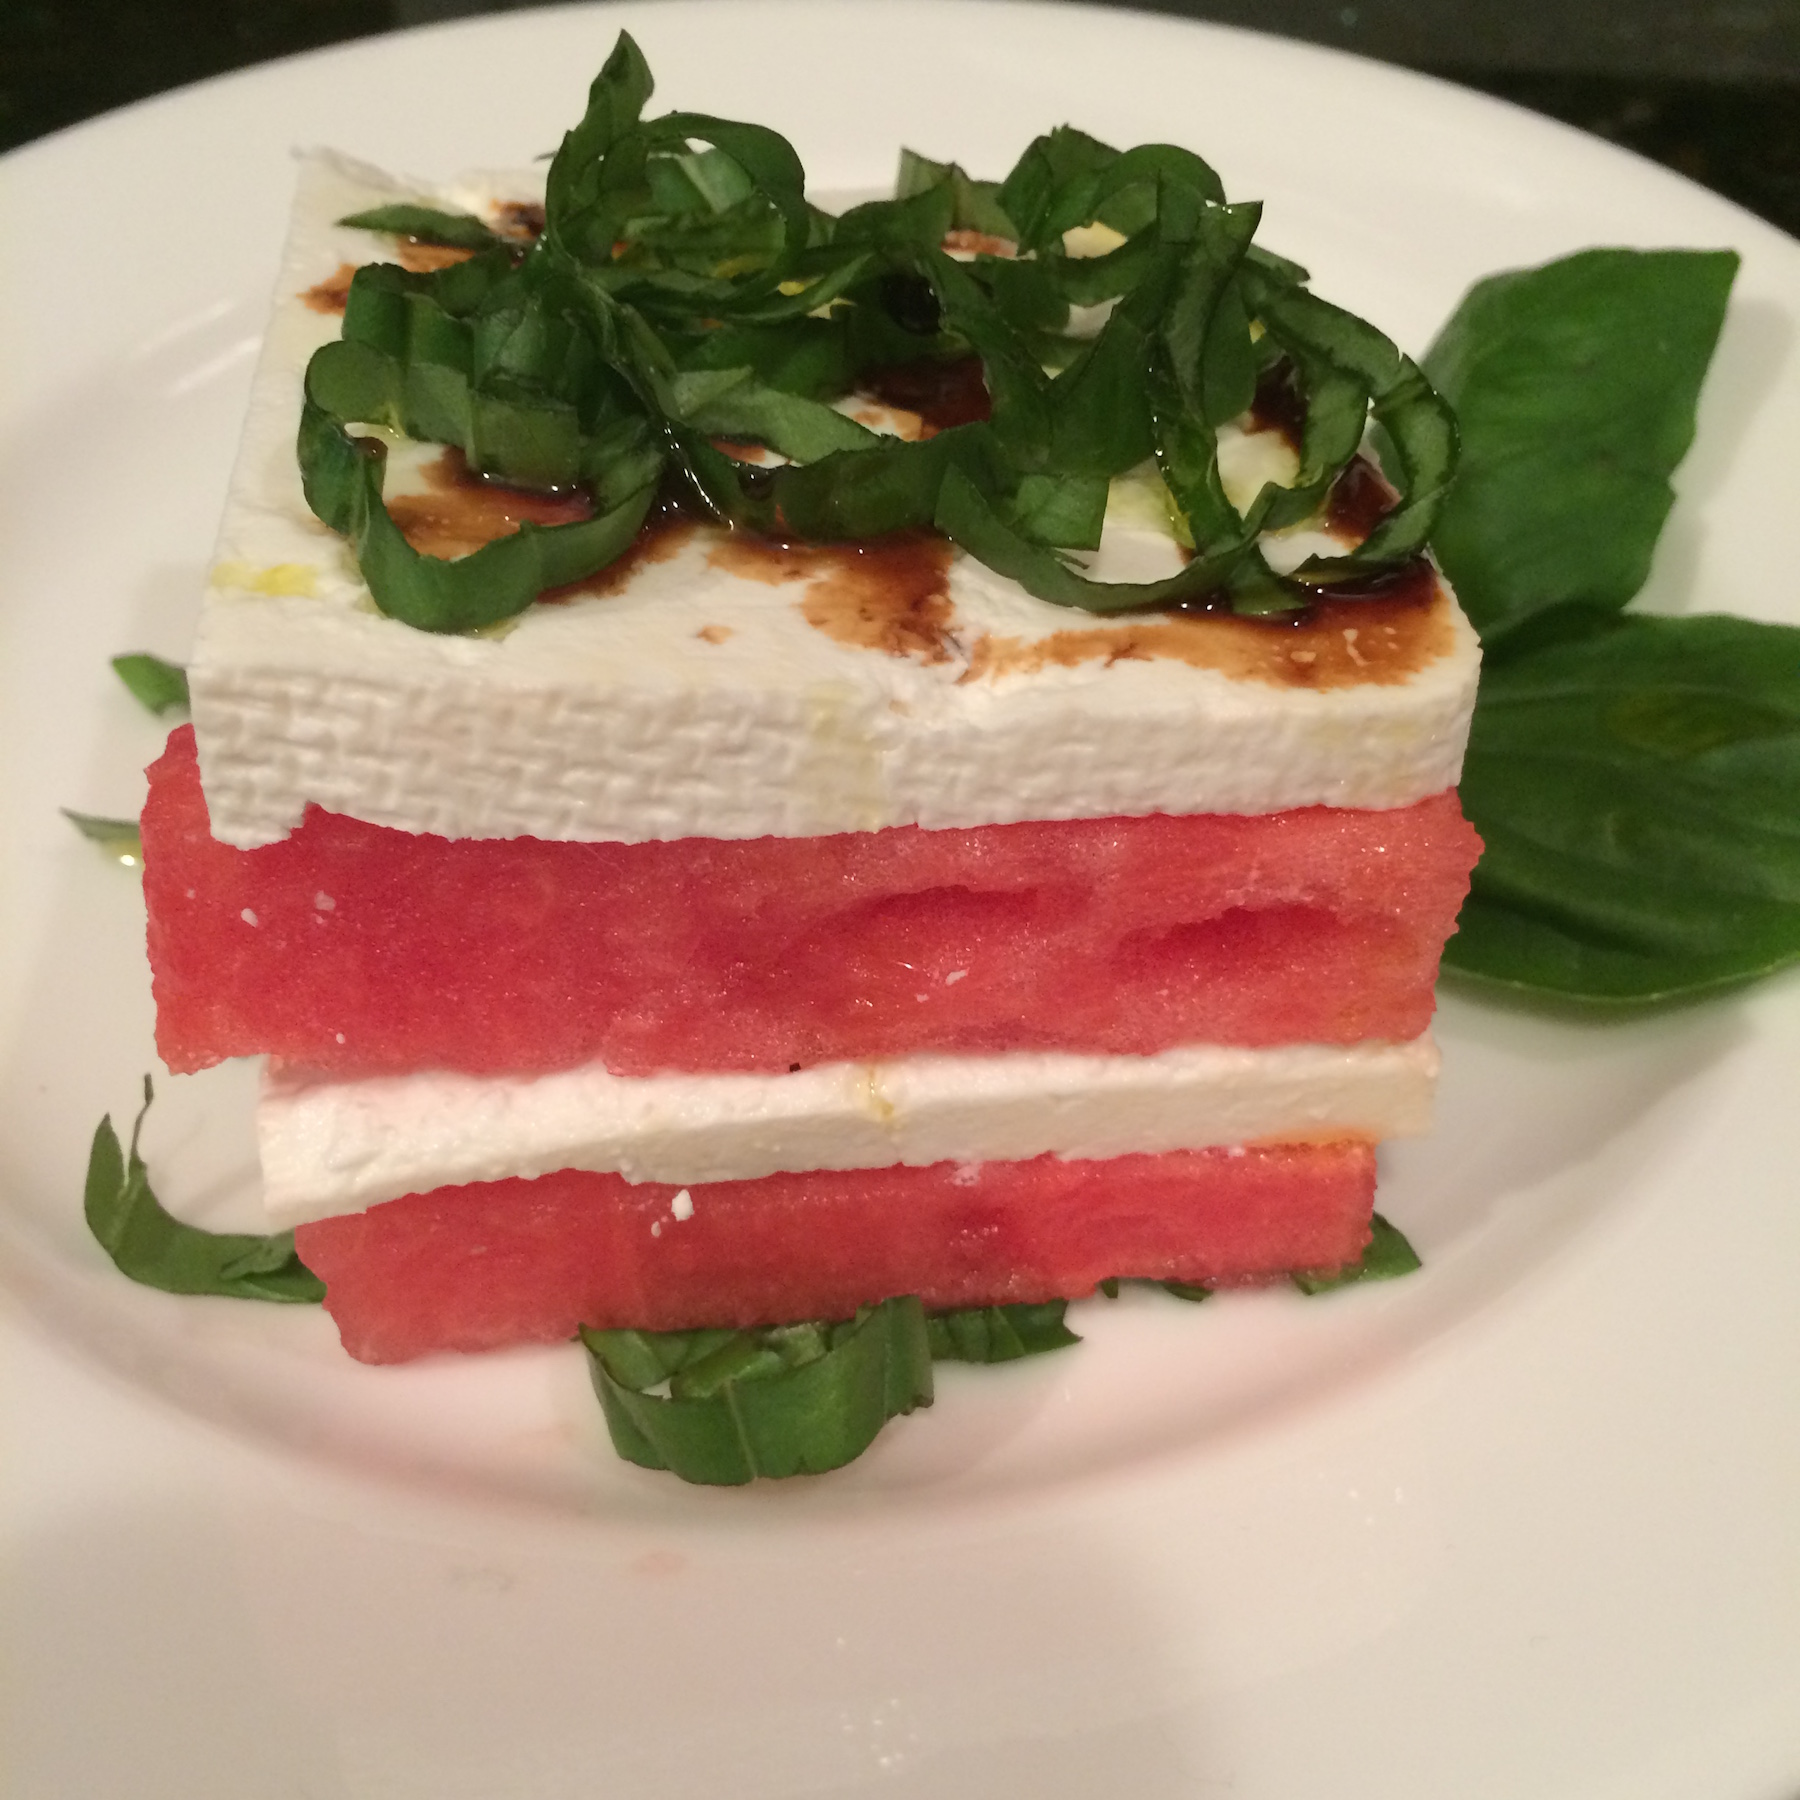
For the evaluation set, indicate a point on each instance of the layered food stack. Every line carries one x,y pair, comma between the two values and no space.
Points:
975,876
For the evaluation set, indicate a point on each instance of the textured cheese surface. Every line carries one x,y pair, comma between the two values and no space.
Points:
332,1147
699,702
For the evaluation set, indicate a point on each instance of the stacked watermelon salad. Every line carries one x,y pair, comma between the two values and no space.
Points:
672,353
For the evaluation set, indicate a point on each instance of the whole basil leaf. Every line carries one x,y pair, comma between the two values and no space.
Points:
158,1250
1638,790
1575,387
1388,1255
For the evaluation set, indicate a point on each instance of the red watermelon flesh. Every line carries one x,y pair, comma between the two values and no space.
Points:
355,949
512,1262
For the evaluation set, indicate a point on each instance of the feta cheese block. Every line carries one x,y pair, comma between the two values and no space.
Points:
332,1147
727,690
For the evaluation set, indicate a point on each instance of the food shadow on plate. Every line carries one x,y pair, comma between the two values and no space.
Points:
255,1643
1546,1126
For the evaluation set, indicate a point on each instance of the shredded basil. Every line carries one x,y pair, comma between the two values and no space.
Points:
992,1334
429,224
157,686
678,294
793,1399
158,1250
785,1400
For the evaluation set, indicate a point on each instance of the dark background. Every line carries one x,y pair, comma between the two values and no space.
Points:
1710,87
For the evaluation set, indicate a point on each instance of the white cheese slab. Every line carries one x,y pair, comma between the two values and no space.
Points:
616,719
331,1147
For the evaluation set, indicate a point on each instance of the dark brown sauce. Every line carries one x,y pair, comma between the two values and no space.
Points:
943,394
667,526
978,243
423,258
463,510
892,421
1279,404
887,593
742,450
332,294
521,220
1334,642
1360,499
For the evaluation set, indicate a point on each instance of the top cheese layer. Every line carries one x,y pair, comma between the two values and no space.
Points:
722,689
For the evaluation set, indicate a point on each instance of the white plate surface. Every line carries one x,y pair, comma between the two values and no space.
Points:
1527,1525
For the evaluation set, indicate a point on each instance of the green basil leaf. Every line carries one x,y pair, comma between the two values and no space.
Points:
992,1334
789,1400
674,296
975,205
615,103
1416,420
1028,295
808,357
819,289
891,486
159,1251
1638,790
1022,408
705,184
643,1359
967,516
1423,451
1050,165
156,685
1068,511
1575,385
774,171
732,403
119,838
1186,1290
341,476
1388,1255
1101,423
430,225
914,225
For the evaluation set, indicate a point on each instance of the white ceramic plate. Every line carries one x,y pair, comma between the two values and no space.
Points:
1525,1525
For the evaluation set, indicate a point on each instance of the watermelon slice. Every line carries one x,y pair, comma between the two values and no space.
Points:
356,949
509,1262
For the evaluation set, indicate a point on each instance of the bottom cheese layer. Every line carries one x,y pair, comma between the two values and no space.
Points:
332,1147
490,1264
